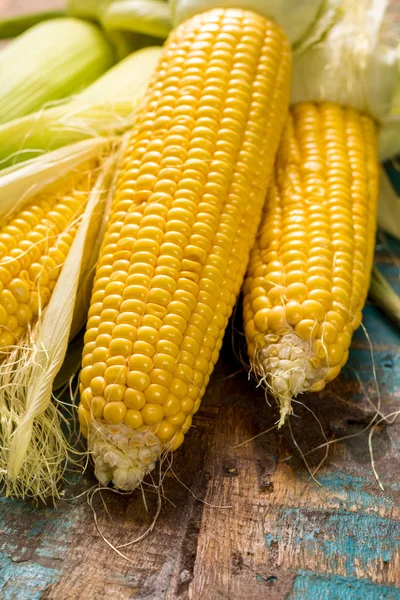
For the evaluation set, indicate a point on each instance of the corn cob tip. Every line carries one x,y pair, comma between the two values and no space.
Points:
289,366
121,455
309,270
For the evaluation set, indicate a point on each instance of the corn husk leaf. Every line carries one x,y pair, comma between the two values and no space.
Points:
48,62
298,19
104,108
127,80
382,293
388,207
15,25
389,139
71,363
389,135
151,17
143,17
355,64
87,9
19,183
33,448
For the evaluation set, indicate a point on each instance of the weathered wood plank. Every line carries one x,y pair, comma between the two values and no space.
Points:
283,534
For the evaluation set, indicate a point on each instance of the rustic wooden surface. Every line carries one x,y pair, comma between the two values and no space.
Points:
283,537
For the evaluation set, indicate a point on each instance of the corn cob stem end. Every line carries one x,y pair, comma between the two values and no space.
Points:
288,366
121,455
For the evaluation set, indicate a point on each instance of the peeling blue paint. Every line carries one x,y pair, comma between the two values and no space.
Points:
35,544
358,538
334,587
352,487
24,580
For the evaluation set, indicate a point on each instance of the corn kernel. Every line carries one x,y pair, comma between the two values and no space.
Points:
114,412
120,347
137,380
97,386
187,405
134,399
313,310
152,414
165,431
116,374
3,316
97,406
133,418
277,318
141,363
86,398
84,416
156,394
178,419
171,406
177,441
327,333
187,424
335,354
12,324
125,331
8,301
98,369
161,377
332,373
307,329
178,388
86,376
114,392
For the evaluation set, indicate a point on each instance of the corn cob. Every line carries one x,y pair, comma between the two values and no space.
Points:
33,247
309,270
185,213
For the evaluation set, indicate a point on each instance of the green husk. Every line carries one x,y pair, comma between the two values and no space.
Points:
104,108
382,293
388,207
13,26
50,61
389,138
150,17
87,9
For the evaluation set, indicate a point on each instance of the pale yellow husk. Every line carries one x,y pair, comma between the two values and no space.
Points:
34,450
357,64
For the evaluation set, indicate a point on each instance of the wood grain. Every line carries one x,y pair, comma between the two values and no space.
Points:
282,537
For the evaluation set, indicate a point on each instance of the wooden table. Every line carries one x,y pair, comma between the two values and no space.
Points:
283,536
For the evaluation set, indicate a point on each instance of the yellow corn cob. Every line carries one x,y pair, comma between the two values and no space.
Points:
187,206
309,270
33,247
